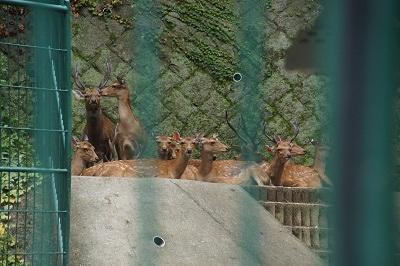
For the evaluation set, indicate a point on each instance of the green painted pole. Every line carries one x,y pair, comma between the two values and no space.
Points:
359,62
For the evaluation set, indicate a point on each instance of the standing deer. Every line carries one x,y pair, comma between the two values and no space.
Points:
99,129
130,138
83,156
149,167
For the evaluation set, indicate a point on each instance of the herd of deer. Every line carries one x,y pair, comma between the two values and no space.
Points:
119,146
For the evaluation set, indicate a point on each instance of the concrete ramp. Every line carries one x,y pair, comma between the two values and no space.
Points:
116,221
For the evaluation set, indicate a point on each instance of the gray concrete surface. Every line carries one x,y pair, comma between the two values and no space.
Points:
114,220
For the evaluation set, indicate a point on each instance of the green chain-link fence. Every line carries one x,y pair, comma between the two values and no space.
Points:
35,107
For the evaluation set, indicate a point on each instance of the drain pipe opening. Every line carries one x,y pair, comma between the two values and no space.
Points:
159,241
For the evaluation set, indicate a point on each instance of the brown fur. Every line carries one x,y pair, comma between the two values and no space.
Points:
284,173
147,168
130,139
83,155
99,129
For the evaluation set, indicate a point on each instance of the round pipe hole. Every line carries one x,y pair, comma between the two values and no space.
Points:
159,241
237,77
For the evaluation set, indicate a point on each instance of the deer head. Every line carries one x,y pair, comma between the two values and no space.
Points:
91,95
84,150
285,149
188,144
211,145
117,89
165,150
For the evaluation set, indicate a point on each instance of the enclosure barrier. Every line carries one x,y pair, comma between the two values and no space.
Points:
35,126
303,211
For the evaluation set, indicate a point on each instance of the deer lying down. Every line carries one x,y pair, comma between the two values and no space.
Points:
148,168
83,156
283,173
166,147
206,170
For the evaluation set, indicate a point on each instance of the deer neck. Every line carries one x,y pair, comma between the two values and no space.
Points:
77,164
275,170
94,121
124,109
206,162
180,164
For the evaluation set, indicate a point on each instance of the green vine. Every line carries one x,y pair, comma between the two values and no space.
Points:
208,25
102,9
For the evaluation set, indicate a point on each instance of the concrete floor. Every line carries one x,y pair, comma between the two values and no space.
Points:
114,221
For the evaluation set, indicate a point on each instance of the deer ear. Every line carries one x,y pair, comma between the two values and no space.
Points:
74,141
78,94
269,149
215,135
176,136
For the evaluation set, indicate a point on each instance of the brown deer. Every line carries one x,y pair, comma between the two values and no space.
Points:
205,170
166,147
283,173
256,171
130,138
99,129
151,167
83,156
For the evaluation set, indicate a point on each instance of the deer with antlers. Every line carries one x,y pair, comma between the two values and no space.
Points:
130,138
150,167
283,173
84,155
99,129
263,172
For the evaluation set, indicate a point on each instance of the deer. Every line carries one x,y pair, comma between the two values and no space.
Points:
130,139
255,170
205,170
150,167
166,147
84,155
283,173
99,129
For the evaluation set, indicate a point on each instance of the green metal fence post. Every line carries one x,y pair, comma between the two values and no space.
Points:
360,58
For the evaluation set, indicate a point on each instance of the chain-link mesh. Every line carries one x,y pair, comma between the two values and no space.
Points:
34,132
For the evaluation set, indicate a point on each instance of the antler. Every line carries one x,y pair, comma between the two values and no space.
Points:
265,133
77,80
296,132
107,76
233,129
